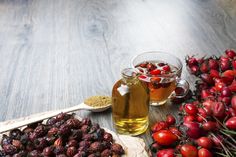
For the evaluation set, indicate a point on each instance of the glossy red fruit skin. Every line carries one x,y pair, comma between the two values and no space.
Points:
170,120
230,53
232,112
166,153
224,65
214,73
159,126
234,63
209,126
203,152
155,72
191,61
204,67
207,78
164,137
218,110
213,64
189,118
175,131
190,109
226,92
231,123
188,150
193,129
205,142
233,102
194,70
166,68
201,115
205,94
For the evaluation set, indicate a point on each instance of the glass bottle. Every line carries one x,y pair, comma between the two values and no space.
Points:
130,104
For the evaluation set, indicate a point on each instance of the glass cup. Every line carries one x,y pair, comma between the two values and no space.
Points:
162,85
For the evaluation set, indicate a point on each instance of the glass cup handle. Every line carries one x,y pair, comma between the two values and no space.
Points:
182,88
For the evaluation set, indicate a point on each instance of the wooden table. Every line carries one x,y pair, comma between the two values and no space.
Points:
54,54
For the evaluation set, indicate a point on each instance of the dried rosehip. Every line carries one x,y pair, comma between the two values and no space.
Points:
96,147
40,130
29,146
117,149
5,140
34,153
107,137
9,149
53,131
63,116
64,130
17,144
72,143
80,154
51,121
73,123
85,144
24,139
86,121
106,145
58,142
20,154
15,134
61,155
85,128
48,151
50,140
59,150
76,135
27,130
71,151
87,137
106,153
40,143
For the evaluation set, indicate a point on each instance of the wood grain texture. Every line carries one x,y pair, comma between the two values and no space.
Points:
55,53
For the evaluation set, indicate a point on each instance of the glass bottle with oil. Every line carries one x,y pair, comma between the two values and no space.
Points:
130,104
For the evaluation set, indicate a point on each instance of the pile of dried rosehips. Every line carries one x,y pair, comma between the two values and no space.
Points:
61,136
207,124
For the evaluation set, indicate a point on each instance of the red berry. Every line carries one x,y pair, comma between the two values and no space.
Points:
214,73
207,78
204,67
166,68
194,69
190,109
192,61
170,119
159,126
155,72
213,64
203,152
226,92
230,53
205,142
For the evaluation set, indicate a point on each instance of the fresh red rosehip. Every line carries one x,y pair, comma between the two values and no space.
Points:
166,68
226,100
194,70
230,53
189,118
205,142
231,123
188,150
213,64
234,63
155,72
191,61
164,137
217,140
190,109
207,78
204,67
209,126
218,109
203,152
219,86
232,112
226,92
175,131
166,153
159,126
224,65
214,73
202,115
170,120
233,102
205,94
193,129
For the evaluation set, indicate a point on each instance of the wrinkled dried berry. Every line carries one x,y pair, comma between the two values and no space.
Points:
59,150
86,121
17,144
63,116
29,146
76,135
117,149
51,121
73,123
34,153
95,147
5,140
106,153
71,151
27,130
87,137
51,140
40,143
20,154
15,134
9,149
61,155
24,139
58,142
48,151
85,128
80,154
40,130
72,143
53,131
106,145
85,144
64,130
107,137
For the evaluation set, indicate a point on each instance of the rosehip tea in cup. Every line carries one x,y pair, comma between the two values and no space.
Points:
162,73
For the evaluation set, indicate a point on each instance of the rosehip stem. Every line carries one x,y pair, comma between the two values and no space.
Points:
202,117
221,154
219,122
231,144
224,148
229,131
228,136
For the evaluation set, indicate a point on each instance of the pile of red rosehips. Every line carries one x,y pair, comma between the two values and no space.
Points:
207,124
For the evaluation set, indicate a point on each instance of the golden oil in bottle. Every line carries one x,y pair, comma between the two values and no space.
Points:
130,104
